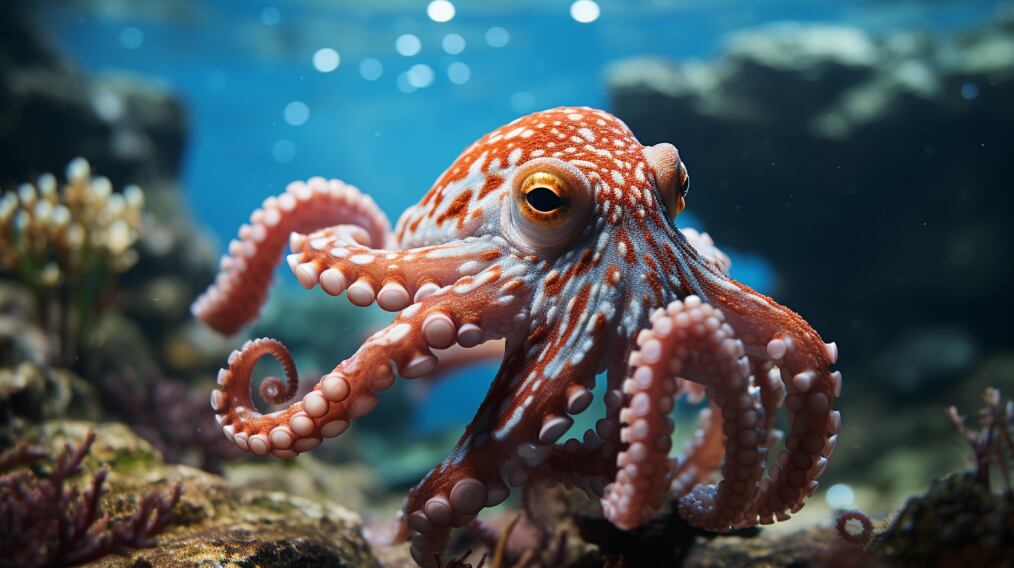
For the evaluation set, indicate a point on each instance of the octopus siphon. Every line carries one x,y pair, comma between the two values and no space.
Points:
555,233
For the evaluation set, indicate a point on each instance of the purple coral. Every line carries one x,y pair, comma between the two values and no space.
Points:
993,443
48,523
178,422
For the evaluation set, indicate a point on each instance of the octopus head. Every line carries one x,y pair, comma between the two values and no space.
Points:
589,211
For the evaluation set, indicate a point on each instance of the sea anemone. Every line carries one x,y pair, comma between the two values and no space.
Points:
66,245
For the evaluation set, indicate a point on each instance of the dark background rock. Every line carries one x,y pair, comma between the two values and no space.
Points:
31,395
131,131
874,174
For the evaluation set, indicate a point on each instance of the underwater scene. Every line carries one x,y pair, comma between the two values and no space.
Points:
426,283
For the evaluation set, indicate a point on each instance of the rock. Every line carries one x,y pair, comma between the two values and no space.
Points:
216,521
308,477
957,522
30,395
871,171
130,129
666,540
21,338
925,359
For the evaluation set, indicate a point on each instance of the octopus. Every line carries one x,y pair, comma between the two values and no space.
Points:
556,234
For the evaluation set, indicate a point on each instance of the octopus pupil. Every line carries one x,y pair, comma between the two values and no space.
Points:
543,199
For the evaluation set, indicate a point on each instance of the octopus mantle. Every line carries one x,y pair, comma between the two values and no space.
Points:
555,233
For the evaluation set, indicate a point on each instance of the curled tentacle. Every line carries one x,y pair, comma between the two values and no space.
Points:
771,332
348,392
273,389
241,287
678,334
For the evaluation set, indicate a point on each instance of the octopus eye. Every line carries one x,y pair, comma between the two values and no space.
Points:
551,201
543,199
546,197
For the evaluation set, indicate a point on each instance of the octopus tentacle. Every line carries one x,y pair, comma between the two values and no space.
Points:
348,392
775,333
705,246
392,278
702,455
241,287
515,430
677,333
588,462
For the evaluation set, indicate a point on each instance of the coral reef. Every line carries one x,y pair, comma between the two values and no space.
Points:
66,245
958,522
992,445
213,518
48,523
963,519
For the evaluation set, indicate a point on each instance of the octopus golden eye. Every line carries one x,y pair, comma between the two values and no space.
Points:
550,204
545,198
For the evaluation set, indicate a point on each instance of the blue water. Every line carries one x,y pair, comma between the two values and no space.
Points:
238,64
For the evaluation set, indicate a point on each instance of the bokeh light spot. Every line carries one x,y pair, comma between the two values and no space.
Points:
522,102
459,73
283,151
296,113
270,16
420,76
371,69
326,60
131,37
440,11
969,91
408,45
497,37
585,11
453,44
840,496
404,85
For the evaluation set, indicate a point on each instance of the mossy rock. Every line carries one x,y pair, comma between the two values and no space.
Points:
215,523
30,394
